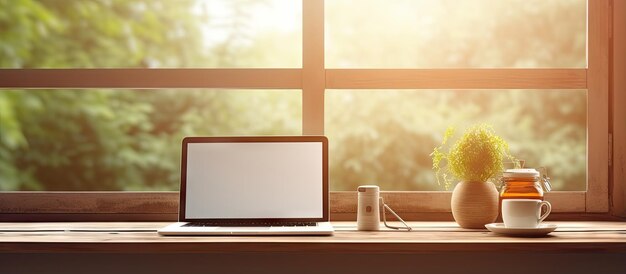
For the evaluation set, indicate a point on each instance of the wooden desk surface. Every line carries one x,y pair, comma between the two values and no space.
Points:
427,237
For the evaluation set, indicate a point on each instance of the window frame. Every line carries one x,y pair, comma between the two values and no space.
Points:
313,79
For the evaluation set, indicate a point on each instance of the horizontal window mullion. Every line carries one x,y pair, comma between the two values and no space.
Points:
439,201
107,202
89,202
292,78
456,78
152,78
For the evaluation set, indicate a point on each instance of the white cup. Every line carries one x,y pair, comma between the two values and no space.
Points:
524,213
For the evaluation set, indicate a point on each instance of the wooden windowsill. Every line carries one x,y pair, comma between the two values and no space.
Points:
427,237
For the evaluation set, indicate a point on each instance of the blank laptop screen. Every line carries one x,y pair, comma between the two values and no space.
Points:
254,180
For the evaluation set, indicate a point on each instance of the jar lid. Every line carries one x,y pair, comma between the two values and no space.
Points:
368,188
521,173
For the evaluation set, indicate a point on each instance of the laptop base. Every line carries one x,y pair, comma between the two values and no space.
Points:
178,229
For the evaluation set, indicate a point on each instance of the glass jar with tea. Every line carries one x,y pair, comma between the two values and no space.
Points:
524,183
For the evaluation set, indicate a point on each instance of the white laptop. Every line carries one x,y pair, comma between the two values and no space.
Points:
253,186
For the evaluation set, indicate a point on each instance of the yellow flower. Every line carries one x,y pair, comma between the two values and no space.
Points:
476,157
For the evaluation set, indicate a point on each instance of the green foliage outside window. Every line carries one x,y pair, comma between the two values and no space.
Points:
117,139
130,139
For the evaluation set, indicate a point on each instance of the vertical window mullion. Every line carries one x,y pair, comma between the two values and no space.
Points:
598,101
313,73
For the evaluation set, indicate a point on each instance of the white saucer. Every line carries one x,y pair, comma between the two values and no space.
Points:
542,230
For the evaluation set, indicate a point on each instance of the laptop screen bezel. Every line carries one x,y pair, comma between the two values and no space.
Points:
256,139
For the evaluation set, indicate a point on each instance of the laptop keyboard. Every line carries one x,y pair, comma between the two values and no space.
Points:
260,224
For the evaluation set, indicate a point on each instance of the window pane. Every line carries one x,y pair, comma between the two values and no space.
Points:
455,34
385,137
150,33
125,140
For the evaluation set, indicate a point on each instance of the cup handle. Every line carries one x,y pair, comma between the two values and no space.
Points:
548,210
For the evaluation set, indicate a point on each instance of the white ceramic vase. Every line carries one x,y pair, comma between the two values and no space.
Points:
474,204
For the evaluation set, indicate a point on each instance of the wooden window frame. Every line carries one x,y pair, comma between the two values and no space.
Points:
617,156
313,79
